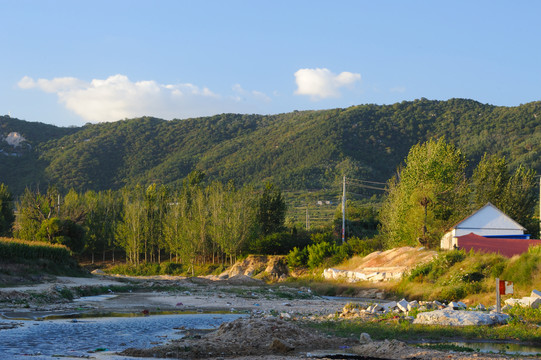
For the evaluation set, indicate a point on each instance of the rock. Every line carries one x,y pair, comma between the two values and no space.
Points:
97,272
389,306
280,346
285,316
365,338
480,307
413,305
453,305
535,293
530,302
512,302
409,319
462,305
506,307
403,305
460,318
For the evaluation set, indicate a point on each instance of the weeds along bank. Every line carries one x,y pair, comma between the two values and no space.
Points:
470,276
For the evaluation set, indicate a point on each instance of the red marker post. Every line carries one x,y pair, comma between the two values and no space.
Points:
502,288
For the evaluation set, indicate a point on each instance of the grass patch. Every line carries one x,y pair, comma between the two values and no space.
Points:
458,275
165,268
405,331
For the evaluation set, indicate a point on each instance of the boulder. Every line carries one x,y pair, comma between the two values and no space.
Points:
535,293
531,302
389,306
460,318
413,305
403,305
365,338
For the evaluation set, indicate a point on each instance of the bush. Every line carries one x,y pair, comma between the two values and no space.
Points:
278,243
297,258
317,253
170,268
363,247
522,269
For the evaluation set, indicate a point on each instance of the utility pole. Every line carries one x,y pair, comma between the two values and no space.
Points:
307,219
344,211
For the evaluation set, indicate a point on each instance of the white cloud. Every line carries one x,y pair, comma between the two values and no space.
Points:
322,83
117,98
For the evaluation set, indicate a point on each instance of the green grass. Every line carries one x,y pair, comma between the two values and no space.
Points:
405,331
165,268
457,275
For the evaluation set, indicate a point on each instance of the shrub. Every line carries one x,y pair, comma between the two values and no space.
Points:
363,247
297,258
317,253
522,269
278,243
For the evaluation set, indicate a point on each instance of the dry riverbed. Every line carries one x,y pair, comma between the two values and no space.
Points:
274,326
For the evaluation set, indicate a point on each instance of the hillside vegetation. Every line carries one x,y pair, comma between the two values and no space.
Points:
297,150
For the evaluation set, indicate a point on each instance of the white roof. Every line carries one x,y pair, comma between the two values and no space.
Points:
489,217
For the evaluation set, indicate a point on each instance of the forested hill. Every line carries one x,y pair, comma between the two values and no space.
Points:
297,150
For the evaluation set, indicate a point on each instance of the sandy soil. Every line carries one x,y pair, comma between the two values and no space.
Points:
272,331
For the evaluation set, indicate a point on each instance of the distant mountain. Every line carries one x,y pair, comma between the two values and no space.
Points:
297,150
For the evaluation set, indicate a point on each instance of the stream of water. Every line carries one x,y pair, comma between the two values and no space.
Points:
78,338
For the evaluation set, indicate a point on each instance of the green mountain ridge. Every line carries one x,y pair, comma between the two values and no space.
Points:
297,151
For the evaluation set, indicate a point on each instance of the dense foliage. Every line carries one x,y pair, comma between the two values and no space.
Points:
7,217
298,150
190,223
427,197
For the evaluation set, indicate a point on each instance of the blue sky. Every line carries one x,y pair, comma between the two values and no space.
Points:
72,62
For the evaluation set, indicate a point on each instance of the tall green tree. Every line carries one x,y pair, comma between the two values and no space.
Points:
7,215
512,192
271,210
428,195
32,209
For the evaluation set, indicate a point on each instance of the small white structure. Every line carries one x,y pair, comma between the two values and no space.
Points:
487,221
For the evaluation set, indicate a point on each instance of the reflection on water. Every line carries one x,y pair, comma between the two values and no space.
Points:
490,347
43,339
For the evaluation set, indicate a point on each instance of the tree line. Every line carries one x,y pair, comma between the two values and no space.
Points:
195,223
191,223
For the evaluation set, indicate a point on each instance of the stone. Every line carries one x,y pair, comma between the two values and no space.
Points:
409,319
480,307
413,305
506,307
512,302
280,346
530,302
462,305
535,293
453,305
285,316
389,306
403,305
460,318
365,338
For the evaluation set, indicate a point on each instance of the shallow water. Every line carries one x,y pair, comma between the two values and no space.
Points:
492,347
78,338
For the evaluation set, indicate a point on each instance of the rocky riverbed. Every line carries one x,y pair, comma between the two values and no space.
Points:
273,326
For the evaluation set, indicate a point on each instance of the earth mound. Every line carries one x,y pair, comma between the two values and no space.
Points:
245,337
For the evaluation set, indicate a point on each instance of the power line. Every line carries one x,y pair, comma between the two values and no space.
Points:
366,181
